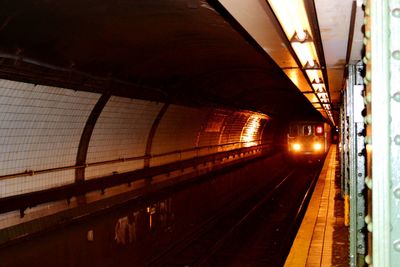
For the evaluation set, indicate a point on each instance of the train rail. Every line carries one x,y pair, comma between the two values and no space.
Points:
232,217
233,236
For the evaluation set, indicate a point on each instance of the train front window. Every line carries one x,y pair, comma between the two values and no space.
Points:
307,130
293,131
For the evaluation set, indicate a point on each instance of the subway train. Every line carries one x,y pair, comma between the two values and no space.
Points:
308,140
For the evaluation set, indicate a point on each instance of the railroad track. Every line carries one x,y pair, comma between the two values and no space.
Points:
221,238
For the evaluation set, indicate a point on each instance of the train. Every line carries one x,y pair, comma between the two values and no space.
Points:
308,140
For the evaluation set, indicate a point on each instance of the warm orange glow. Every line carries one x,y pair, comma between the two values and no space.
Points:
296,147
151,221
322,96
318,87
305,52
292,16
251,130
327,106
317,146
315,76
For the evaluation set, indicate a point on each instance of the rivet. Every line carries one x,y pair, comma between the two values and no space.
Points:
365,60
365,40
396,97
368,259
396,54
366,81
368,97
397,140
396,12
368,140
368,182
368,34
368,55
368,119
368,75
369,227
368,219
396,245
367,10
396,192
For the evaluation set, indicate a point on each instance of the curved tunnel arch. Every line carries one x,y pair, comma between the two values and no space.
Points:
110,128
86,135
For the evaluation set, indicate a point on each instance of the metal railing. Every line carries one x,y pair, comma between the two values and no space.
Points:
135,158
25,200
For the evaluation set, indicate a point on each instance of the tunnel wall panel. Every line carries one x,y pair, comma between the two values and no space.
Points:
178,130
120,132
40,128
25,184
234,125
213,126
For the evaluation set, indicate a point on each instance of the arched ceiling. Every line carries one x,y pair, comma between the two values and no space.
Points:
181,51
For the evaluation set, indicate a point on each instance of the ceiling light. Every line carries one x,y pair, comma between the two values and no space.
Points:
293,19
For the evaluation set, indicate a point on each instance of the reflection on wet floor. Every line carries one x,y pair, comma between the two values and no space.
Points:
157,216
136,233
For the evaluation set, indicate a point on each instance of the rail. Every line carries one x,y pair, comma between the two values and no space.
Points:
199,247
23,201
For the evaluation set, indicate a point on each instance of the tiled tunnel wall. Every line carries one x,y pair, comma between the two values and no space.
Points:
120,132
178,130
41,128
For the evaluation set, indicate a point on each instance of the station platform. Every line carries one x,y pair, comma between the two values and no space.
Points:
322,239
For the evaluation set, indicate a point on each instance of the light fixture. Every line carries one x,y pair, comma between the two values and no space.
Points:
293,19
317,146
296,147
305,52
323,97
315,76
327,106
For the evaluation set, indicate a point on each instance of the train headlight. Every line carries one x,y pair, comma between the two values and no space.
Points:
317,146
296,147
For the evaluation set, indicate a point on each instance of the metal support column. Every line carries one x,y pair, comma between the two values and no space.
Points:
359,172
382,32
352,166
342,153
355,164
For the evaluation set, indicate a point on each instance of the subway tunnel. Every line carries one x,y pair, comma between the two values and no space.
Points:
105,103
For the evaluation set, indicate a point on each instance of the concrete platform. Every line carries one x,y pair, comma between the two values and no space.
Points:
322,239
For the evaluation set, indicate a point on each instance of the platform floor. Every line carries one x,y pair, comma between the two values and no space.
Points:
322,239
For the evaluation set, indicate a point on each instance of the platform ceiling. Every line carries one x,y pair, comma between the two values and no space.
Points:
180,51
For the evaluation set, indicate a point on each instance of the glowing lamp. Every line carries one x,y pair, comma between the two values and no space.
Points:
317,146
296,147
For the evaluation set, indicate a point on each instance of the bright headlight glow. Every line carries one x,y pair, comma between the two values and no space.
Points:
317,146
296,147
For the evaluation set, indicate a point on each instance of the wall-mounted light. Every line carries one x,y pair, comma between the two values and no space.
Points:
293,19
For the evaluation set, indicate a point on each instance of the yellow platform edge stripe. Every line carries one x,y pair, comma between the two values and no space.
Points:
299,251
